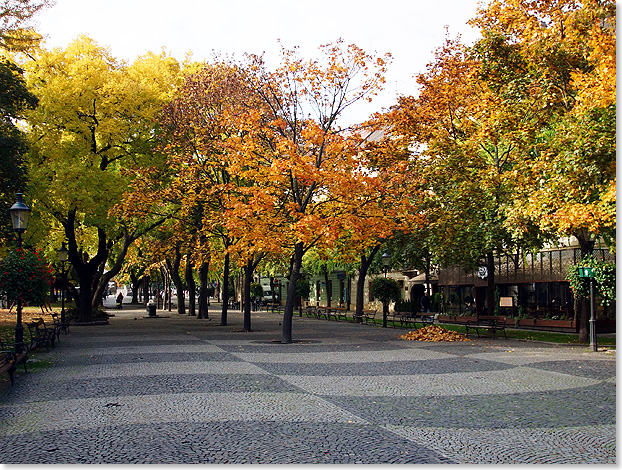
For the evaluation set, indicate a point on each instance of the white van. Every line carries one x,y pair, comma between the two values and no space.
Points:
267,294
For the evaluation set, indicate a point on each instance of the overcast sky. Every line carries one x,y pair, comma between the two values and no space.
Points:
409,29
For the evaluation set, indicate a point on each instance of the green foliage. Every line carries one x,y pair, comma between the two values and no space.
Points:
303,288
386,290
404,306
256,290
437,301
604,276
14,99
27,275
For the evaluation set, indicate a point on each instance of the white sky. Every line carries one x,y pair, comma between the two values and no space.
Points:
409,29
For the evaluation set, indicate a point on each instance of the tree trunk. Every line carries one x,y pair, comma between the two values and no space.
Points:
360,283
146,291
490,292
192,291
203,271
86,269
179,284
225,292
135,283
329,290
86,308
248,277
294,274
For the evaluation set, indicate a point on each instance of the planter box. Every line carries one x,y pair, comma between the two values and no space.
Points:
455,319
568,326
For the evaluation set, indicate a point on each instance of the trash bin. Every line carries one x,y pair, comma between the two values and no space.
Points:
151,310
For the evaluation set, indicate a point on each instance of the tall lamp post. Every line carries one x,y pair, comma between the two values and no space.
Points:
386,260
586,272
19,218
63,254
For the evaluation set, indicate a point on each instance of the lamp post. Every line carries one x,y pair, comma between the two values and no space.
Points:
386,260
63,254
587,272
19,218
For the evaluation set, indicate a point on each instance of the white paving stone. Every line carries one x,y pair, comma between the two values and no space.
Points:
345,357
516,380
162,408
98,371
151,349
511,445
533,356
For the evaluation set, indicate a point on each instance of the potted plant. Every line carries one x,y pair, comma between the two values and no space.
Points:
386,290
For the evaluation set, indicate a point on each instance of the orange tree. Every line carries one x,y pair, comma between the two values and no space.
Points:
197,182
301,162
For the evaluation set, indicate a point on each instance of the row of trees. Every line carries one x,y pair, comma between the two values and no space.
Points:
220,165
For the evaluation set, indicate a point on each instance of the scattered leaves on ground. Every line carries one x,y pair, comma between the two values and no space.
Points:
433,333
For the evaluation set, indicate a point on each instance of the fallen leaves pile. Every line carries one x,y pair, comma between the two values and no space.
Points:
433,333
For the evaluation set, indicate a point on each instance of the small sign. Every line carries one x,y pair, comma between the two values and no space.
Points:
585,271
506,302
482,272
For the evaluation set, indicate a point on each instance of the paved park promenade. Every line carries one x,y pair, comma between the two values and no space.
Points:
179,390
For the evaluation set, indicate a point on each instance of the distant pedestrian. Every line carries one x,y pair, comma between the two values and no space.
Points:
120,301
425,303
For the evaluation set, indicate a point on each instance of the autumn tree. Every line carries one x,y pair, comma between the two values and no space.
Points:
95,120
16,33
568,59
198,123
299,158
471,130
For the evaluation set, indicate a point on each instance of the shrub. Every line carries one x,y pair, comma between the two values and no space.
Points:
386,290
26,275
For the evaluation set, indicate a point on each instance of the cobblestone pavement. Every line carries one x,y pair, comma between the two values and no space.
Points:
175,389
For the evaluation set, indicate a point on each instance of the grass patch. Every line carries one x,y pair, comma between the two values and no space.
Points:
37,359
528,335
548,336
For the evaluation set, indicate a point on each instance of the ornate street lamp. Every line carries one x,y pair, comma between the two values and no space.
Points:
386,261
19,218
63,254
588,273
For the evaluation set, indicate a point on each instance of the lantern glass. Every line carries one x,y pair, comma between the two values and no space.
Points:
386,259
63,253
19,214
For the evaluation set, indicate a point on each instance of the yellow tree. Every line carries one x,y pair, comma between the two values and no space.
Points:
568,53
95,118
465,143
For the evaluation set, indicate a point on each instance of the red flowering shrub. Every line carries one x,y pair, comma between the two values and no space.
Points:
27,275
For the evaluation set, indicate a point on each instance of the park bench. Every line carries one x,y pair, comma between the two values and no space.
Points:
274,307
9,359
341,313
409,319
369,316
492,324
366,316
40,335
58,324
402,319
